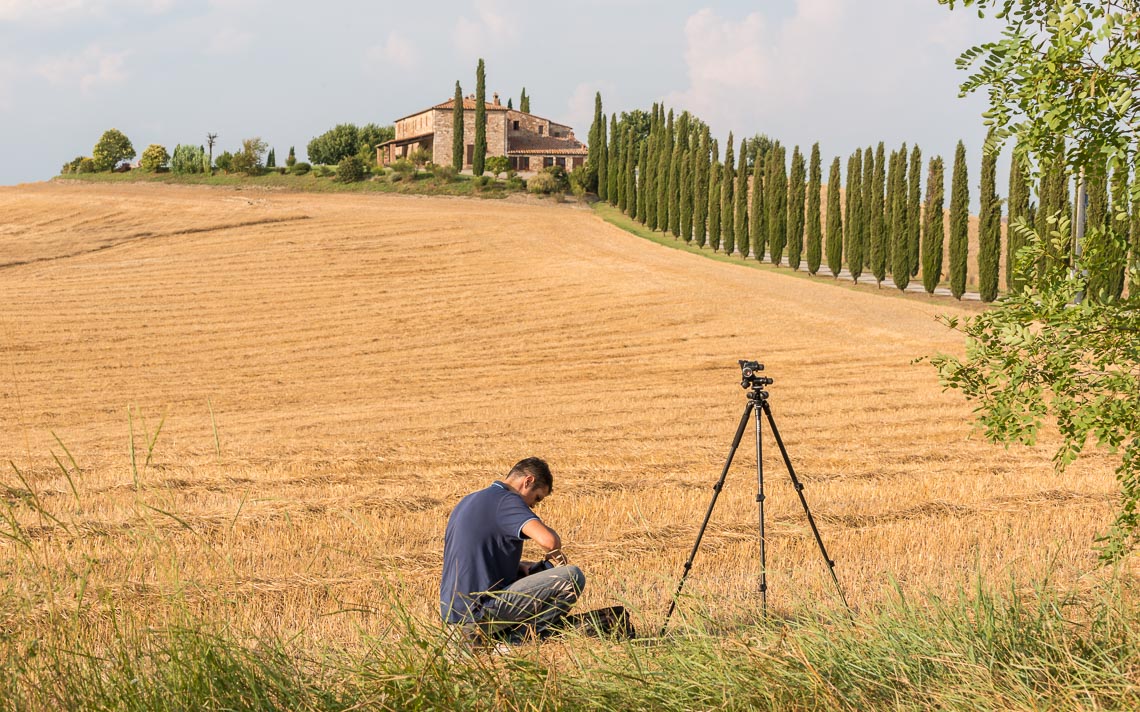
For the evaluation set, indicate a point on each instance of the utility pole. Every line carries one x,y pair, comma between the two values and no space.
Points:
210,138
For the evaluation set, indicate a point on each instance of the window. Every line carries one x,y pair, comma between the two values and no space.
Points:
516,126
557,134
541,129
561,161
547,161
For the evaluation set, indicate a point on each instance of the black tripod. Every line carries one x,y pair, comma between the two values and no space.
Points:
757,401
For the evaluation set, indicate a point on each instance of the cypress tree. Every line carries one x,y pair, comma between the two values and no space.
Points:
989,228
665,153
778,205
687,196
649,190
1134,239
619,169
888,209
900,253
681,137
477,163
1118,221
933,230
603,177
814,226
866,212
796,209
524,102
878,216
1096,229
740,199
959,223
630,173
271,159
510,103
642,161
667,207
757,225
291,159
834,221
913,209
613,160
727,183
593,161
714,201
1018,210
853,232
457,142
701,189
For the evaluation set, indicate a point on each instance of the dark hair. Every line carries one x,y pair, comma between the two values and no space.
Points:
536,467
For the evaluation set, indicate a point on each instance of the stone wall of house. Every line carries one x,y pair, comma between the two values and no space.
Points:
415,125
528,124
496,135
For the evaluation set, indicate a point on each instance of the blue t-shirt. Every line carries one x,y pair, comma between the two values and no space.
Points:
482,548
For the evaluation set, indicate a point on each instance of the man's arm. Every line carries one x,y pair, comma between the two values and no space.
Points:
542,535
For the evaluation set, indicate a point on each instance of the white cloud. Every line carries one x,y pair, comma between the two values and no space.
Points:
739,69
493,25
91,68
228,40
396,51
56,11
580,106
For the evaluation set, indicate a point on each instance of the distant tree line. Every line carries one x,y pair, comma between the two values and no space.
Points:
666,172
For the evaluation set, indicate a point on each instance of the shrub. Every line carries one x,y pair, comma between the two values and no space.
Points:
248,159
323,171
558,173
224,162
580,179
444,174
516,183
419,157
71,166
154,157
188,159
86,165
300,168
292,158
483,181
497,164
543,184
113,148
280,170
403,168
350,170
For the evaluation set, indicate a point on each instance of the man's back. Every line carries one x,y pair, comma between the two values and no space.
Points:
482,548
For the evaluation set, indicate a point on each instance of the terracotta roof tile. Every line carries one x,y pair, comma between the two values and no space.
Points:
545,144
469,105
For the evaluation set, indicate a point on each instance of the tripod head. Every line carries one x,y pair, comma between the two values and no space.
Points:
750,379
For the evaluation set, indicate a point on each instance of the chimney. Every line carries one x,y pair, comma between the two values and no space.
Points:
496,102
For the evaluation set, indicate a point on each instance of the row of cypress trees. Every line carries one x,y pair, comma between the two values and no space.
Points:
667,174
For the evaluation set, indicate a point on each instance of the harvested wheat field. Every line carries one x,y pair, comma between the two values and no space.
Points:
331,373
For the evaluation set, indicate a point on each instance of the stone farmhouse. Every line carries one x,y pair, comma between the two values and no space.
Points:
530,142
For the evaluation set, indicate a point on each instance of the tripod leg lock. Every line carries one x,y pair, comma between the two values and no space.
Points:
760,497
799,486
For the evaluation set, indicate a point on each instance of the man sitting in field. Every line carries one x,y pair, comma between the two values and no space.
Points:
487,588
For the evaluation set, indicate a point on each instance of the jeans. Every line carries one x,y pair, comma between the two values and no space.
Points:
534,603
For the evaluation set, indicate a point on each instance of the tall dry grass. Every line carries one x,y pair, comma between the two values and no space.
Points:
273,402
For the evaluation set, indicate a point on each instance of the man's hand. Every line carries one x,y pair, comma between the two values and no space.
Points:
556,557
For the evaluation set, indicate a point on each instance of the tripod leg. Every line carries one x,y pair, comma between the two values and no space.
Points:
800,491
760,502
716,493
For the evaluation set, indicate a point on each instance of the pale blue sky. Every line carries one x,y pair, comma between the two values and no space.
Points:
842,72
